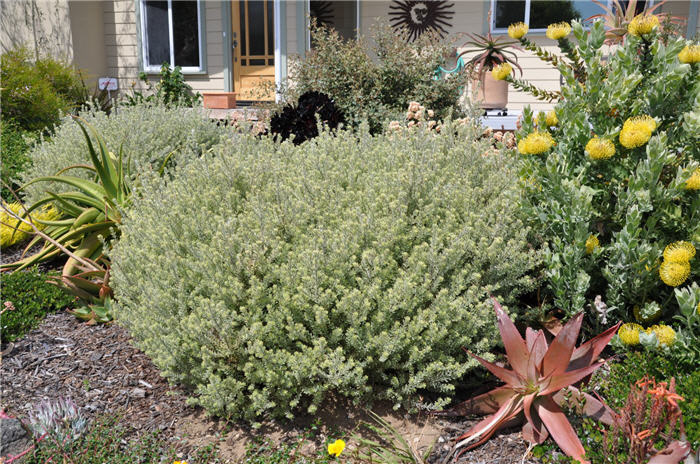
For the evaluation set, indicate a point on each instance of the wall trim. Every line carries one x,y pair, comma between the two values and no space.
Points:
280,44
693,19
302,28
226,39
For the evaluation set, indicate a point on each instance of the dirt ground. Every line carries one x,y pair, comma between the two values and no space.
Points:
102,372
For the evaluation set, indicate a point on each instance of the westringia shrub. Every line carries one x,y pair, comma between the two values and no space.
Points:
612,191
149,136
269,276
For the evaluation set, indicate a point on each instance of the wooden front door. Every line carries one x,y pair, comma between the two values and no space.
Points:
253,35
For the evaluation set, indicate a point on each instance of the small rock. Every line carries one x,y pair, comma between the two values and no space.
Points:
138,393
441,440
96,356
13,438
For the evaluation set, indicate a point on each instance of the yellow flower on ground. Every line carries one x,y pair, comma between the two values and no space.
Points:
334,449
664,334
179,462
690,54
10,236
629,333
693,183
600,149
551,120
643,24
558,31
674,274
636,131
592,243
536,143
518,30
679,252
501,71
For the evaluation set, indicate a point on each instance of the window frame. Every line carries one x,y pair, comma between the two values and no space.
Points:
526,20
149,68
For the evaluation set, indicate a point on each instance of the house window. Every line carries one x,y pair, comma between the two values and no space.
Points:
538,14
171,32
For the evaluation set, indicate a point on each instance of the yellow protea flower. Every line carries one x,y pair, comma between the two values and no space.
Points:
592,243
501,71
690,54
664,334
643,24
629,333
600,149
9,236
636,131
518,30
536,143
551,120
679,252
334,449
674,274
558,31
693,183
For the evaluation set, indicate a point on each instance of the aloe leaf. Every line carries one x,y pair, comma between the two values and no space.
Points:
101,166
89,187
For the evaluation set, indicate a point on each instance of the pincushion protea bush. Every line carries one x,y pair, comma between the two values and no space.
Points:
352,265
542,377
620,168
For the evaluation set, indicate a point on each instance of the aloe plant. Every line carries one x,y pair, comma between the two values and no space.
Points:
542,378
89,212
91,215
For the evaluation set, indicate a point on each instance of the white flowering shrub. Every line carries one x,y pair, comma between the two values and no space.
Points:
614,175
268,276
149,135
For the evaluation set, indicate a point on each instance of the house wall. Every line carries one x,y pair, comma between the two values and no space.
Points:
88,35
470,16
122,46
43,26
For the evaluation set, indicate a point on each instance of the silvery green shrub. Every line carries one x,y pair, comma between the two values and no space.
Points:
268,276
608,216
148,135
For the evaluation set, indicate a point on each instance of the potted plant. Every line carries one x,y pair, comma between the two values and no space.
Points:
490,52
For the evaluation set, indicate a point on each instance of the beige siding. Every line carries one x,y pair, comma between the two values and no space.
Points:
122,46
292,42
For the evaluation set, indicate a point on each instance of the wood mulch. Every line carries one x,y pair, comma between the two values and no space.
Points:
97,367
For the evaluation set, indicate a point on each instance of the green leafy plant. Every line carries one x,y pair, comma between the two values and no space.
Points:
35,92
614,193
374,80
15,143
541,377
171,89
27,299
351,265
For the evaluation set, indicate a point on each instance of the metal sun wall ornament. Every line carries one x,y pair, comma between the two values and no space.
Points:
418,16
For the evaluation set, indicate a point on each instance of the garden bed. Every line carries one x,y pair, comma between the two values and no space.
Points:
98,368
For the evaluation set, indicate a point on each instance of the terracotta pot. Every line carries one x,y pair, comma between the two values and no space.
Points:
219,100
493,94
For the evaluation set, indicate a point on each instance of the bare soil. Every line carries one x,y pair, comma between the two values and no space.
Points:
98,368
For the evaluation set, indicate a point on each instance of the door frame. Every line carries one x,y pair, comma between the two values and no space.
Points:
280,43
